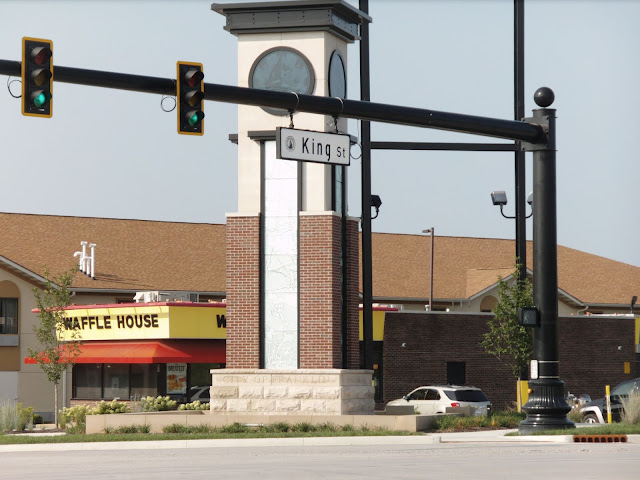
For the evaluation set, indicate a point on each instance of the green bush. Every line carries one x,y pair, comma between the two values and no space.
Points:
180,428
105,408
74,416
8,416
235,428
303,427
13,416
575,415
197,405
277,427
328,427
129,429
74,419
157,404
499,420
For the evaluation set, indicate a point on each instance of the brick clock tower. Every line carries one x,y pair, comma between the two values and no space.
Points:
292,251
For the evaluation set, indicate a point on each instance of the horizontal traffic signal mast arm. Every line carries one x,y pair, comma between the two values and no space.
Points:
375,112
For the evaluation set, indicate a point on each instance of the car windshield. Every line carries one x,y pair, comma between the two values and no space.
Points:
624,388
467,395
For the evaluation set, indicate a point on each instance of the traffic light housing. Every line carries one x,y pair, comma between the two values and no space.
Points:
37,77
190,98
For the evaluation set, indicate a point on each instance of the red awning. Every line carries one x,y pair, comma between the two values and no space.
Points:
167,351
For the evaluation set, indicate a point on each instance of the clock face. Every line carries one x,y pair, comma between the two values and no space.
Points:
284,70
337,76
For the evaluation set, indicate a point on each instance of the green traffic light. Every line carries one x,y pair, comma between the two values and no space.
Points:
40,98
195,118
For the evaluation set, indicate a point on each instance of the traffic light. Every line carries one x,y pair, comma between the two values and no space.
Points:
190,96
37,76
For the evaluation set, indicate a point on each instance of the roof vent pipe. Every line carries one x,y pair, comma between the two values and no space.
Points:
87,263
83,257
92,265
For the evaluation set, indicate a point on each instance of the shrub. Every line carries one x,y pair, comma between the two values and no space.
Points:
631,409
157,404
74,416
128,429
8,416
197,405
328,427
175,428
575,415
235,428
303,427
105,408
180,428
13,416
277,427
74,419
452,423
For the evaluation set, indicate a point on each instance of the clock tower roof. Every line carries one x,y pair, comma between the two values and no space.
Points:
336,16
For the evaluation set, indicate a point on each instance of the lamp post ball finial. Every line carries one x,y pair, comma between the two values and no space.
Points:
544,97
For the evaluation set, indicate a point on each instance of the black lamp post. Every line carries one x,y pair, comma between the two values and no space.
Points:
546,408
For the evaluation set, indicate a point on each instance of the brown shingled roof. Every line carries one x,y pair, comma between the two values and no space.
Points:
151,255
130,254
464,267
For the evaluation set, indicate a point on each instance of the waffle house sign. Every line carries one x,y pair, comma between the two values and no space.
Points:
146,321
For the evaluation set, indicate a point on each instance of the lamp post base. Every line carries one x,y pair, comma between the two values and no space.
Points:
546,408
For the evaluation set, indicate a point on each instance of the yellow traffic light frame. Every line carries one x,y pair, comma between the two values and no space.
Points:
25,71
179,81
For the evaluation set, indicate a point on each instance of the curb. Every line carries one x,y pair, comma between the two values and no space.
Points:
494,437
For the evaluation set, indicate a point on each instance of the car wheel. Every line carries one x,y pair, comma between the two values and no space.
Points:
590,418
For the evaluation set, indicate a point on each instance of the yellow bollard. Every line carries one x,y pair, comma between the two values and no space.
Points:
608,393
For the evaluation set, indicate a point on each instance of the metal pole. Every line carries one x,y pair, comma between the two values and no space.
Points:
520,172
432,232
361,110
365,174
431,274
546,408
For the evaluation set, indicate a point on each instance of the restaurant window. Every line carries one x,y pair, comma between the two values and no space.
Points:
87,381
100,381
144,380
9,316
116,381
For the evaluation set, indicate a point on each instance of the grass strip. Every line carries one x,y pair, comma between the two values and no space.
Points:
17,439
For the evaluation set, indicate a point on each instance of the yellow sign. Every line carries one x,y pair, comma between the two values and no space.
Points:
378,322
143,321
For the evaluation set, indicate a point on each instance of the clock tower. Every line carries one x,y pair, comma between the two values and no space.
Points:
292,249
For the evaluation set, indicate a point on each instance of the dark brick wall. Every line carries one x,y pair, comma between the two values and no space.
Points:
588,354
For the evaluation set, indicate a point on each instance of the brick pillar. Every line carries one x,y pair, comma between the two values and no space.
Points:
321,292
353,293
243,292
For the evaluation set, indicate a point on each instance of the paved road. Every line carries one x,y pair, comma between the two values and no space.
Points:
484,459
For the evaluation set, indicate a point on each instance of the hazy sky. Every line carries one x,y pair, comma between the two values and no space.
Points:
109,153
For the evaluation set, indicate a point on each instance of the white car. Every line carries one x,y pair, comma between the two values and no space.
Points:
434,399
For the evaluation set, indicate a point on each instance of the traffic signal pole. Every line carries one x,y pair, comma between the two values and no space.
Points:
374,112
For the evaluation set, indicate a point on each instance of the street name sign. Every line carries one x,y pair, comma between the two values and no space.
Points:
310,146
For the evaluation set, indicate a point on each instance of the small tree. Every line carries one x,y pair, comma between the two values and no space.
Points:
506,339
53,356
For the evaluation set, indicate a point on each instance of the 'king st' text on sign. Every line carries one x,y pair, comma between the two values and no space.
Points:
309,146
